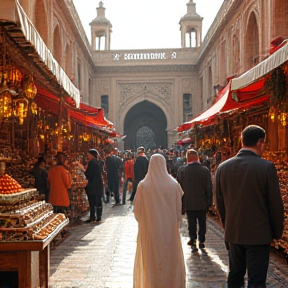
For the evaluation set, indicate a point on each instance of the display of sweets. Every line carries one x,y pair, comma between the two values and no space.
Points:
23,216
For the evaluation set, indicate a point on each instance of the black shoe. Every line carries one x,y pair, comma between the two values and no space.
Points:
98,219
194,248
201,245
116,204
89,220
191,243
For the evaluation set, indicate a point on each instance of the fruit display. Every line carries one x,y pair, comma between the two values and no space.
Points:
8,185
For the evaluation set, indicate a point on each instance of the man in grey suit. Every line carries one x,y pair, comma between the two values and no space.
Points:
195,180
250,207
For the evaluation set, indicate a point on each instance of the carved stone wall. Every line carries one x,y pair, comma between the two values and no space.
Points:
159,93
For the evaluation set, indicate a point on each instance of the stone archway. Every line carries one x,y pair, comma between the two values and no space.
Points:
145,125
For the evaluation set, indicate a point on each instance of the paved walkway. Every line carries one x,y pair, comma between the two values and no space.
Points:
102,255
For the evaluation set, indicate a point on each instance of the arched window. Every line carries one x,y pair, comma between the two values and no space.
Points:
40,20
191,38
251,43
210,86
68,59
57,45
236,55
223,64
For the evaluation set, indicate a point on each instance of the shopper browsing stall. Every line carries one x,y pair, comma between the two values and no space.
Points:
94,188
40,175
59,182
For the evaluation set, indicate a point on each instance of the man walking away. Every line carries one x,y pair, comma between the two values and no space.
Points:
140,169
196,183
250,208
113,166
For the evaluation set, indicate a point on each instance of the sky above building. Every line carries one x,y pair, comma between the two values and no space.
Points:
149,24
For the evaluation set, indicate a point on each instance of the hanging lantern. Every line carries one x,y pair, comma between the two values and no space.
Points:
29,88
34,108
5,105
272,113
283,118
21,109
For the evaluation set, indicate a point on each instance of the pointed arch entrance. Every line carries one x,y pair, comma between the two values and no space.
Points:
145,125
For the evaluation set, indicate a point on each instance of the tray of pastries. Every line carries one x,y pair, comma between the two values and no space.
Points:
25,216
47,227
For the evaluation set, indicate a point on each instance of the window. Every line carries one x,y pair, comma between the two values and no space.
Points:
104,103
187,107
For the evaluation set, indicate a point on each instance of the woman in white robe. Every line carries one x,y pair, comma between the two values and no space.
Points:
159,261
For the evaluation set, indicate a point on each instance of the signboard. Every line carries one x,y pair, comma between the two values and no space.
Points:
145,56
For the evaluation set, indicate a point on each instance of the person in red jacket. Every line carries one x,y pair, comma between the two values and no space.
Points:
128,174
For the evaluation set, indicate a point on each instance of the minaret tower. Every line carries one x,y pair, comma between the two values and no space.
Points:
100,28
191,24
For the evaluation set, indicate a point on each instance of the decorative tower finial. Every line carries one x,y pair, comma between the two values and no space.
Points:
100,28
190,24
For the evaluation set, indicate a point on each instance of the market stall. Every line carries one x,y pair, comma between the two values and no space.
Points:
28,128
27,227
259,96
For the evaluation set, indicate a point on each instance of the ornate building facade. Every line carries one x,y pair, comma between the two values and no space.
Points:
148,93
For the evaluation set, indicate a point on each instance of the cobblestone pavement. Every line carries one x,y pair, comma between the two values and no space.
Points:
102,255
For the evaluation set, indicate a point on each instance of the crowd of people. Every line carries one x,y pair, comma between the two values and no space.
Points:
162,186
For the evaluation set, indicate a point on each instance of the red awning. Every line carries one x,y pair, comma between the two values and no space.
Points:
86,115
47,101
184,141
228,102
88,109
96,121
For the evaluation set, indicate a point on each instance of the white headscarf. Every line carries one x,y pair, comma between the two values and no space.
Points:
157,175
157,208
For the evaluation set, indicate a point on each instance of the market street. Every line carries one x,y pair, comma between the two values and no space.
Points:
102,255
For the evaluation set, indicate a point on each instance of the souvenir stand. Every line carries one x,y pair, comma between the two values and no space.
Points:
27,223
75,133
262,101
274,72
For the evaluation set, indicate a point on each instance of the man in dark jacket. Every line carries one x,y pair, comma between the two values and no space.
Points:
140,169
250,208
113,167
94,188
196,183
40,174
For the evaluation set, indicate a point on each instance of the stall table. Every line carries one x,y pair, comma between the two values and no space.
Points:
31,259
